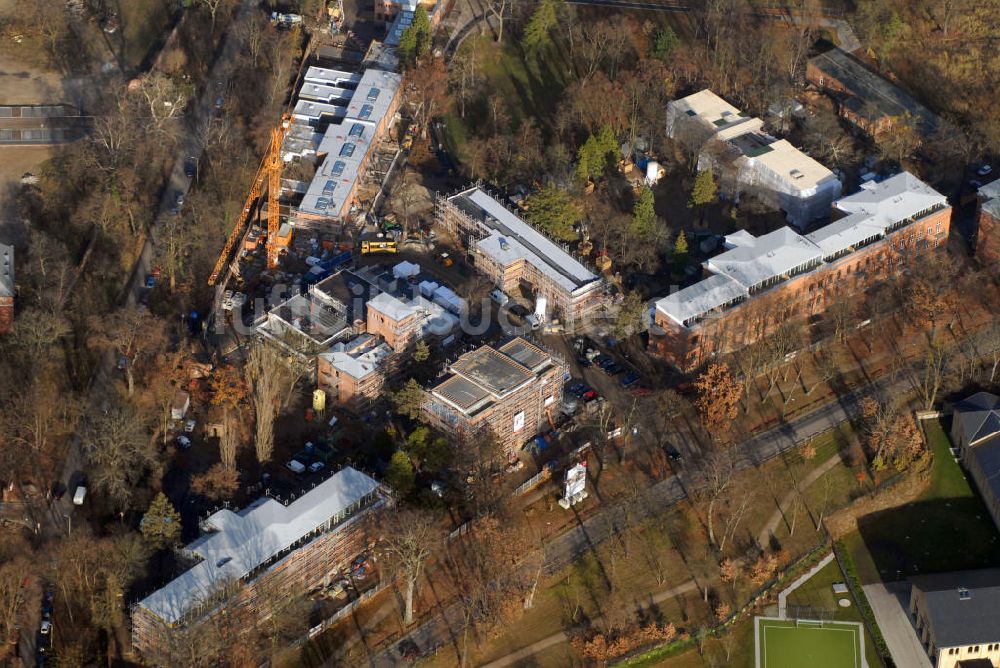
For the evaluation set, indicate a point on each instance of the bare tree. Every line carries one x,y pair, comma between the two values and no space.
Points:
118,449
411,537
133,333
714,476
265,371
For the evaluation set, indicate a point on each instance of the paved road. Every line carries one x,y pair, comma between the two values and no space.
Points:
890,603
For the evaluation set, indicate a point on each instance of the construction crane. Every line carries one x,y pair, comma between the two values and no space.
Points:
270,169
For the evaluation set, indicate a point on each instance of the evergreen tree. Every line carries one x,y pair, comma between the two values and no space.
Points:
596,154
409,399
416,39
665,43
680,250
161,525
644,214
399,474
703,192
553,211
536,33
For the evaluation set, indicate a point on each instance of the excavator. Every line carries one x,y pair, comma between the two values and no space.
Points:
270,169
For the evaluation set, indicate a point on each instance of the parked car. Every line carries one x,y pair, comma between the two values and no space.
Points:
189,426
179,198
190,166
672,453
150,281
578,389
532,321
631,378
603,360
79,495
613,369
519,310
316,467
985,170
184,441
498,296
295,466
583,361
46,628
589,396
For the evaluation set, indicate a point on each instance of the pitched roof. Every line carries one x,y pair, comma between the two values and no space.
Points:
6,271
979,416
703,297
768,256
240,542
957,618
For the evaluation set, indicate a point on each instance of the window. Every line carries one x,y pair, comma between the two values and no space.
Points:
347,150
519,422
357,130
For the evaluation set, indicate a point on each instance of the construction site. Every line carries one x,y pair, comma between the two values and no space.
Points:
316,193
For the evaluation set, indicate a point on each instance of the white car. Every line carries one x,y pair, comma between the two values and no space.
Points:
184,441
532,321
295,466
46,628
985,170
316,467
189,426
498,296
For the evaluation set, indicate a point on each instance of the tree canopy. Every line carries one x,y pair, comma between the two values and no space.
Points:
704,189
596,154
554,211
399,474
161,525
644,214
536,33
416,39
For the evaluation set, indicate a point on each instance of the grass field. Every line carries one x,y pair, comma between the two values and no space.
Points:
948,528
783,643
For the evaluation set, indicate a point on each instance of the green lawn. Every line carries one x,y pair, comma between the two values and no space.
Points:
816,593
784,644
948,528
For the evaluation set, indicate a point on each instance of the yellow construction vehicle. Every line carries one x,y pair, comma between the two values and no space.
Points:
378,245
270,169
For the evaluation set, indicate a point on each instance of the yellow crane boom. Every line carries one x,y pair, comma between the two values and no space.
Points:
270,168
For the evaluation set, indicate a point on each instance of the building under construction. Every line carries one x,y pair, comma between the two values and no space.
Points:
327,160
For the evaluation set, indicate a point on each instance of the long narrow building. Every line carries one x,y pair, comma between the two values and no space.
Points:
761,282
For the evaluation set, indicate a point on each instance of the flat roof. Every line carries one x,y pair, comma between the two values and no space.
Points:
462,392
393,307
358,365
240,542
6,270
491,369
792,165
330,77
528,355
703,297
324,93
710,108
346,144
874,210
872,96
513,239
771,255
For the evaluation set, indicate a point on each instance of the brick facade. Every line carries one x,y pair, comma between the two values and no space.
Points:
799,297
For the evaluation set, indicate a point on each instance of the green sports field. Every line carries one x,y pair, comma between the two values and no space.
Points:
781,643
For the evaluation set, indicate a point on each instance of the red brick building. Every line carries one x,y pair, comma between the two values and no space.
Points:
6,288
760,283
271,548
987,241
508,391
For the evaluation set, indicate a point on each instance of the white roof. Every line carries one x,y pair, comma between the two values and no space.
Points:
323,93
347,143
393,308
696,300
6,271
716,114
358,365
330,77
795,168
769,256
873,210
513,239
240,542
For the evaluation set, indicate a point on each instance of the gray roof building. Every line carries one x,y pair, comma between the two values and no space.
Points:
958,608
6,271
975,430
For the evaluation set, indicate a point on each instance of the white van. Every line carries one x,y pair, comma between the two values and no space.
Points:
79,495
498,296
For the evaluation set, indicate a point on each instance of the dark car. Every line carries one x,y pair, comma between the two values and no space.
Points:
519,310
190,167
583,361
613,369
58,491
672,453
603,360
577,389
631,378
